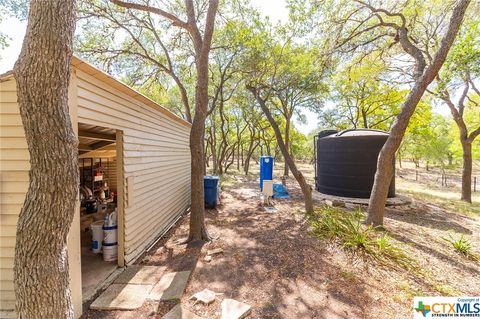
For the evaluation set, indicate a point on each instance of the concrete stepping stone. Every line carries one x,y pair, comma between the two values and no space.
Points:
214,251
140,275
205,296
232,309
122,297
171,286
180,312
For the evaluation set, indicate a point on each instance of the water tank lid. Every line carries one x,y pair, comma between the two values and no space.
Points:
361,132
325,133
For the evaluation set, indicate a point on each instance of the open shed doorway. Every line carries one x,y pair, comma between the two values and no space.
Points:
100,180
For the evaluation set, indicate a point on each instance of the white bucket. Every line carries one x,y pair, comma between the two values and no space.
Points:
110,252
109,234
97,236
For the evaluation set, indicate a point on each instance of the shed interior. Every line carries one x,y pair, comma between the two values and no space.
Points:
98,199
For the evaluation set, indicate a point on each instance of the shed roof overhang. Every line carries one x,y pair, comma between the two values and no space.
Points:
104,77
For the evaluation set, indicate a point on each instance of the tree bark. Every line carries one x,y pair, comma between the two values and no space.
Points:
467,171
198,229
183,96
466,139
249,157
42,72
364,119
384,174
450,159
287,143
202,46
306,189
238,156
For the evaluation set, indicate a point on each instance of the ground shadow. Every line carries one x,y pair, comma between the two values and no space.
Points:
430,216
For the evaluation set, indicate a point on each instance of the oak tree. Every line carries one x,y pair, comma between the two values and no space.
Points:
201,41
42,73
378,25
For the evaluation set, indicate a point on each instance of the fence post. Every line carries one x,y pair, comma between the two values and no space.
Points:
416,176
444,180
474,184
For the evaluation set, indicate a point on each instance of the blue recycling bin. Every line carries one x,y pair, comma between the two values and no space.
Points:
266,169
210,184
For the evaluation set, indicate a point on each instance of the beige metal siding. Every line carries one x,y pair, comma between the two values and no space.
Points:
155,156
14,166
14,180
156,159
155,175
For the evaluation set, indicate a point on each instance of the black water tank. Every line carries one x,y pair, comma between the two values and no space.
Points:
347,162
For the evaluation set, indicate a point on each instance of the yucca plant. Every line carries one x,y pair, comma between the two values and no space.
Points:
347,229
462,245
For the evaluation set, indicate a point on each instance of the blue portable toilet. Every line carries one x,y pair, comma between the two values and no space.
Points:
266,169
210,184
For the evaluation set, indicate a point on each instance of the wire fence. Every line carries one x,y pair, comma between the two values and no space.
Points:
442,179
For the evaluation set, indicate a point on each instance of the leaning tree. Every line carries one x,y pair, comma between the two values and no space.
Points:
368,25
284,77
42,73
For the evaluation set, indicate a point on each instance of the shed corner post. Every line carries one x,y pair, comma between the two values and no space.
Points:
120,199
73,242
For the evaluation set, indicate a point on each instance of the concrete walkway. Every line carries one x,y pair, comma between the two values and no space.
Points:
137,284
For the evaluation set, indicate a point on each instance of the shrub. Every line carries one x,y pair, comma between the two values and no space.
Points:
346,229
463,246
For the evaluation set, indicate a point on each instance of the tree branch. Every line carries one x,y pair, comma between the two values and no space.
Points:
175,20
388,13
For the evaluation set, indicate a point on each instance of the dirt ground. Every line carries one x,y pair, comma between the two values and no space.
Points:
272,263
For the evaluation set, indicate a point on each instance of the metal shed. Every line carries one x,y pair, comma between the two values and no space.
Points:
151,170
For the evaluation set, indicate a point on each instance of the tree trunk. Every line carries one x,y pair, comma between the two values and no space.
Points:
198,230
214,148
204,168
246,164
184,97
230,159
287,143
223,139
246,167
202,46
306,189
450,159
238,158
416,162
42,72
384,174
364,119
467,171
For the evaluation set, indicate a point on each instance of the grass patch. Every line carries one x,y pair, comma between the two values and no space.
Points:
347,230
451,203
406,291
462,246
431,280
348,275
227,180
